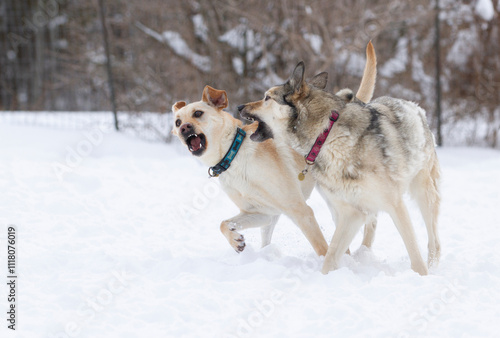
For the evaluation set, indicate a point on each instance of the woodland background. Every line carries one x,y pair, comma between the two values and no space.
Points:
52,55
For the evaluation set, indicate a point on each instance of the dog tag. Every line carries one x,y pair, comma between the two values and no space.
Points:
302,175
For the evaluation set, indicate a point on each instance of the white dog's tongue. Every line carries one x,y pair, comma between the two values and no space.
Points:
195,143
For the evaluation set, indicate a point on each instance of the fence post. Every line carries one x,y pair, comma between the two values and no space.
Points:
108,61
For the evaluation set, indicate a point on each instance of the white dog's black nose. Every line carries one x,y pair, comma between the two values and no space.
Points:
186,128
240,108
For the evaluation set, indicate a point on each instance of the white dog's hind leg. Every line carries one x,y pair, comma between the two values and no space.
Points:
349,221
230,227
266,231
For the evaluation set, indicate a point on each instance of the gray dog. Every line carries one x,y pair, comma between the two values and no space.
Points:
363,156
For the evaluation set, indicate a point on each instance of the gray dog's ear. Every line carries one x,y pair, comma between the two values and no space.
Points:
319,81
297,77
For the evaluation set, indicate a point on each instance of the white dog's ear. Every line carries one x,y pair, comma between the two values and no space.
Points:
214,97
178,105
319,81
297,77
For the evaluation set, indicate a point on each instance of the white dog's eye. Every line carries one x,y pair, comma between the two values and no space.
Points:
267,98
177,123
198,113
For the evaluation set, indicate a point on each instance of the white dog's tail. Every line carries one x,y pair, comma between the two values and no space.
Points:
367,86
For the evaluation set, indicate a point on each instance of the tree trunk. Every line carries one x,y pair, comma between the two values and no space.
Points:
108,62
437,42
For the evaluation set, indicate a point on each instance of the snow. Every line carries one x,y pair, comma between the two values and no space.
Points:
315,41
244,39
462,13
58,21
11,55
355,64
269,80
238,65
180,47
98,57
465,45
484,8
425,81
398,63
127,244
200,28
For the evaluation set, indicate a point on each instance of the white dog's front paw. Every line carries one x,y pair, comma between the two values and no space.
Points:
237,241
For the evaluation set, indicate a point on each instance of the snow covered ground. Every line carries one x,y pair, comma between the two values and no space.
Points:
118,237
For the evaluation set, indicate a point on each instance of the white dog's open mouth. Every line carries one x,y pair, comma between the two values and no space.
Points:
197,143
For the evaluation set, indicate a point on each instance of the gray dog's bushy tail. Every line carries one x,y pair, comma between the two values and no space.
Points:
367,86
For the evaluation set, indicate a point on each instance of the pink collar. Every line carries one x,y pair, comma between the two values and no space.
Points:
311,157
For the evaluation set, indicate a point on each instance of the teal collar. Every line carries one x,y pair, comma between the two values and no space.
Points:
224,164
